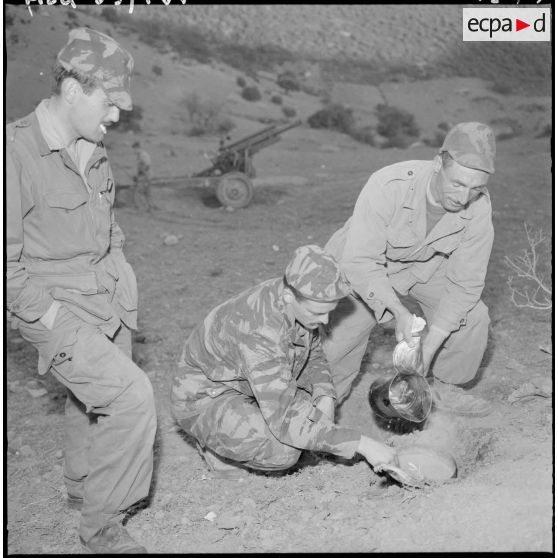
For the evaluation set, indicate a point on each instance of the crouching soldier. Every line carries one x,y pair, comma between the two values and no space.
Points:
244,386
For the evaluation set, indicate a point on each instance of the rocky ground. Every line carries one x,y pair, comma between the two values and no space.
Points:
306,186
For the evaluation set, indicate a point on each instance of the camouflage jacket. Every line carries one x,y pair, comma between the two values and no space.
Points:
384,246
248,344
62,240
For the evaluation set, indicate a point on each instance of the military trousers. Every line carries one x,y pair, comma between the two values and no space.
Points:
232,426
110,417
346,337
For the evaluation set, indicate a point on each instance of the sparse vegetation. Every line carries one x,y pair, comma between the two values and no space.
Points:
277,99
240,81
157,70
546,132
397,125
110,15
531,283
288,81
502,88
364,134
289,112
333,117
251,93
205,117
130,120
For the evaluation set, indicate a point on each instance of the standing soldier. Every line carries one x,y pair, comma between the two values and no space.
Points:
245,386
142,179
423,229
71,292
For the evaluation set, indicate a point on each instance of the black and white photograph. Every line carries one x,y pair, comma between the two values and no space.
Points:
278,277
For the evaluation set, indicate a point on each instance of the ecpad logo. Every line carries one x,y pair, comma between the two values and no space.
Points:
506,24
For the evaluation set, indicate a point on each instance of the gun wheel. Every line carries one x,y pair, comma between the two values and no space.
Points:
235,190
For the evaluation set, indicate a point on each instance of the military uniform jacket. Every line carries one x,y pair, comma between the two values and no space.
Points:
384,244
62,240
248,344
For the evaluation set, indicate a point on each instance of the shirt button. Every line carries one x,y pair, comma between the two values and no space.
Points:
410,173
371,294
62,355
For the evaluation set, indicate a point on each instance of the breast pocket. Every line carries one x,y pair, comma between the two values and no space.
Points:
402,246
64,223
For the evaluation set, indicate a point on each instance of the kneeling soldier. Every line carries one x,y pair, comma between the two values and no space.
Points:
245,387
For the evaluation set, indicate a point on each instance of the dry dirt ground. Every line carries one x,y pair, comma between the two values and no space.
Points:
502,498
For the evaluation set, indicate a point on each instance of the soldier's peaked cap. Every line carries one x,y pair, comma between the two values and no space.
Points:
315,275
472,145
99,56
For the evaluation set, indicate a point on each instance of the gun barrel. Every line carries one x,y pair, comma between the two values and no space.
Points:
261,137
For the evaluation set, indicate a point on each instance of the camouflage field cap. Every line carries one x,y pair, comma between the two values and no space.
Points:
472,145
315,275
97,55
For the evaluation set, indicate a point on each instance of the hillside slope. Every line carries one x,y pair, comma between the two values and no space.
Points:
416,41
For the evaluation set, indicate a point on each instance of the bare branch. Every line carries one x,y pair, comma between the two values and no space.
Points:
534,290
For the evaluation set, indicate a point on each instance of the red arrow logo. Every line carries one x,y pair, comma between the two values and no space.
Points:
519,25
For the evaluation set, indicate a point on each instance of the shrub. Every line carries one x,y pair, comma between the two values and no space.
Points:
397,125
502,88
157,70
251,93
289,112
546,132
288,81
72,15
277,99
110,15
364,134
333,117
205,116
240,81
130,120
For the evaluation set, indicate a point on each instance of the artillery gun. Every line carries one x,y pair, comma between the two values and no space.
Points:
232,168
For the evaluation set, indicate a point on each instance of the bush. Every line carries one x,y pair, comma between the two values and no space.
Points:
546,132
110,15
251,93
288,81
205,116
277,99
289,112
365,135
157,70
502,88
130,120
240,81
397,125
333,117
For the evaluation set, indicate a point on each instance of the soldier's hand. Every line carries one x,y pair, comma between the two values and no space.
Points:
404,325
376,453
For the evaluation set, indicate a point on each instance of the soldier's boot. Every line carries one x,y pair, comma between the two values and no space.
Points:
221,467
113,539
451,399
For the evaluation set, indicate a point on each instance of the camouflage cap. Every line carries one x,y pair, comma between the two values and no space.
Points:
97,55
315,275
472,145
